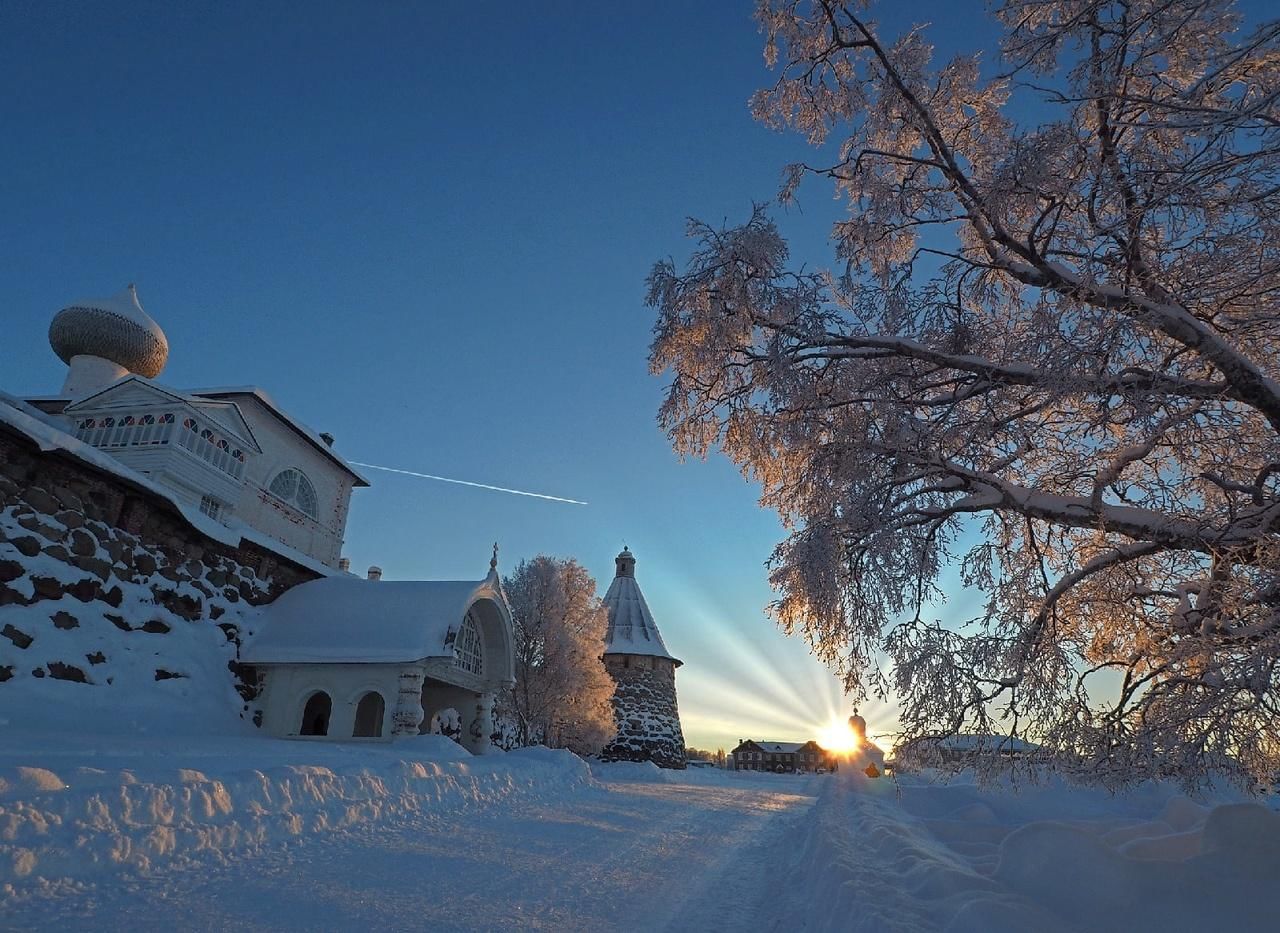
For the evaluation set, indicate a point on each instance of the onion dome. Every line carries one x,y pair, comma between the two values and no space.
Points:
114,329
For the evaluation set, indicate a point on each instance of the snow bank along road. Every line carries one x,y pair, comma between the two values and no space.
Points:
288,835
526,841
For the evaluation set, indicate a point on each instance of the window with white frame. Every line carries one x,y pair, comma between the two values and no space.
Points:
468,647
210,506
293,487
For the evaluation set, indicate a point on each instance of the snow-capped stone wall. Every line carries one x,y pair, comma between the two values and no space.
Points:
111,601
645,711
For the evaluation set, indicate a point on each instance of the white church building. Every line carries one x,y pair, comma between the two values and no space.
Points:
231,452
345,657
338,657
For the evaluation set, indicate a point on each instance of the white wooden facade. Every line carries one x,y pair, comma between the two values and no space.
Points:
331,649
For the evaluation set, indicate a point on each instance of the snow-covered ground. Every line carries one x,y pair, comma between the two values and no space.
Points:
247,833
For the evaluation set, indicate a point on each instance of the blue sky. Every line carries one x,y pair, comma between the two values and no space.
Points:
425,228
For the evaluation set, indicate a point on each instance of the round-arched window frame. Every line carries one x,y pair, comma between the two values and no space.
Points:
292,486
315,715
468,647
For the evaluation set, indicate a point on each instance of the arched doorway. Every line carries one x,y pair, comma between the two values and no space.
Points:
369,716
315,715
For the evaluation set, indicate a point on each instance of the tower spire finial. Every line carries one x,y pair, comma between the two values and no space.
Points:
493,561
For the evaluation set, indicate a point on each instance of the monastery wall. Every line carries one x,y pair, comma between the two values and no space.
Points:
645,712
104,586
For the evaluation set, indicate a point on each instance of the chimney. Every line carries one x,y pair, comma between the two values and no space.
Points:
375,573
327,438
344,564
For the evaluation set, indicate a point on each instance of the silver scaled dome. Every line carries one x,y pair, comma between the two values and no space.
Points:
115,329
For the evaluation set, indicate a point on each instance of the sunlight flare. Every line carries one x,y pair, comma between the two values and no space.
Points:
836,736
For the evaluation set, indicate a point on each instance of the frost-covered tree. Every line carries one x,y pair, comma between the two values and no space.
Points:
1048,357
562,692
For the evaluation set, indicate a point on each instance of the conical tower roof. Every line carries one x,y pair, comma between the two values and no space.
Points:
631,626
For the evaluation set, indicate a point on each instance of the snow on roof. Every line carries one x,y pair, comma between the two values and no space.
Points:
343,619
270,404
115,328
631,626
968,742
784,747
41,428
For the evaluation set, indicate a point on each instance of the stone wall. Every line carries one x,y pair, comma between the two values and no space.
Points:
104,584
645,712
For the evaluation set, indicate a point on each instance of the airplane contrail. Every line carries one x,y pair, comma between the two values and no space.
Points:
464,482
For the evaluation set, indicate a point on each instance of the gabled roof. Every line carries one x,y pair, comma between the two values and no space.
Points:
631,626
349,620
785,748
288,420
134,390
48,434
128,387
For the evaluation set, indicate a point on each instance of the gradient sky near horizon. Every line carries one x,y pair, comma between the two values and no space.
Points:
425,228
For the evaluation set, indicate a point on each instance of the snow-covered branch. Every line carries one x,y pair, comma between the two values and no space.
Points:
1080,407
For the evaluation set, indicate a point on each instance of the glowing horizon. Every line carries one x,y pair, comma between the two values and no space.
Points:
755,691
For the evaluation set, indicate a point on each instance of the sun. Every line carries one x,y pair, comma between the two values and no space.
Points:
836,736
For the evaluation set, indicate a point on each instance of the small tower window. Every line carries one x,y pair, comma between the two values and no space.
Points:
468,647
293,487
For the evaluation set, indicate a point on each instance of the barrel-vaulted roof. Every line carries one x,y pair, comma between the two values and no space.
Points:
348,620
631,626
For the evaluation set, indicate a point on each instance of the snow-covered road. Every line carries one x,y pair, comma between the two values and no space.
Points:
630,855
234,834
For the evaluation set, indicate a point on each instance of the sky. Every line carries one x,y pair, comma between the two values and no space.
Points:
425,228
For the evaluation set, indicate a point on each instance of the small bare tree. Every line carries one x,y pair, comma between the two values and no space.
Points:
1048,357
562,695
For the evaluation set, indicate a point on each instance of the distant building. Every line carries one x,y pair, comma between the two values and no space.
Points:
957,750
645,710
785,757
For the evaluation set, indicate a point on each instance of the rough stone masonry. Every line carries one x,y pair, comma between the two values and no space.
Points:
105,585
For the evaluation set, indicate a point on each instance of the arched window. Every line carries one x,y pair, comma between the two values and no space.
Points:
468,647
315,715
293,487
369,716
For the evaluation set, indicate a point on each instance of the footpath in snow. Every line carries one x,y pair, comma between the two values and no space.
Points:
256,834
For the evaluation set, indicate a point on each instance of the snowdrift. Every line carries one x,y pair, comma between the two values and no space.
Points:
138,804
1049,857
